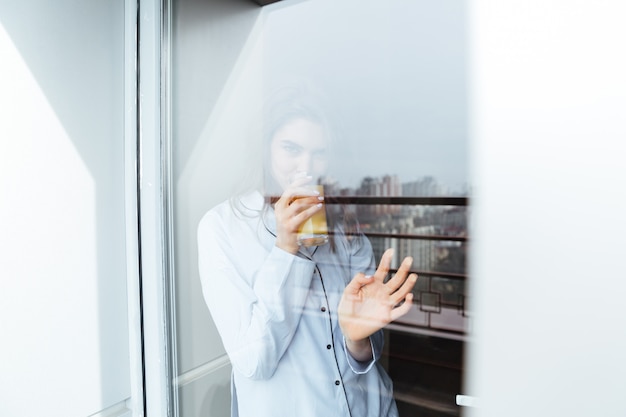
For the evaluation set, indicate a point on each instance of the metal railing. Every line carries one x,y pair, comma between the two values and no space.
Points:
440,300
439,296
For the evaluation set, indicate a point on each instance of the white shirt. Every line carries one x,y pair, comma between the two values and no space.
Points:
277,316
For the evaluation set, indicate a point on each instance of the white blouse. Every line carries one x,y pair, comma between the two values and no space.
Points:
277,316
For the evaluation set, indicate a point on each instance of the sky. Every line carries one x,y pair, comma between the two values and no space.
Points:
396,76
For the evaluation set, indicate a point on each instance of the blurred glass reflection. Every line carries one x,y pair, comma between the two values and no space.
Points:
393,75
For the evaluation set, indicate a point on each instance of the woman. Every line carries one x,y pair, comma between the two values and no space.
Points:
301,326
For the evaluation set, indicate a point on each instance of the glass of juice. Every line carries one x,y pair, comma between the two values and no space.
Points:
314,231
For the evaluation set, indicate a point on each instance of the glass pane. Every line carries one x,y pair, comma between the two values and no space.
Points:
369,100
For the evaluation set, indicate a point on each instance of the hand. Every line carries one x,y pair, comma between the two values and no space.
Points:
296,205
368,303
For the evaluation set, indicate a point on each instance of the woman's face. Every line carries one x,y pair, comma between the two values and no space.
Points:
299,146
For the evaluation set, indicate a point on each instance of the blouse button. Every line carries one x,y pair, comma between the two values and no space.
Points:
337,382
328,346
323,309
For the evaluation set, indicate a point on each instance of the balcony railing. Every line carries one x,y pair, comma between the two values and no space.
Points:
440,301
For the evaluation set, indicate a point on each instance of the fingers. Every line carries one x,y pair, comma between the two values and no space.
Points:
305,211
400,311
297,189
384,265
396,281
400,286
292,209
405,290
358,282
296,205
292,195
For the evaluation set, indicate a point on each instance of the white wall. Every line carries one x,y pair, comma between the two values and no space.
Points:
549,141
63,303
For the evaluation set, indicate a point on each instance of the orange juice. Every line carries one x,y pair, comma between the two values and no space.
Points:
314,231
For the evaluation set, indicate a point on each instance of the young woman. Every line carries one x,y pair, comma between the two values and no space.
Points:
302,326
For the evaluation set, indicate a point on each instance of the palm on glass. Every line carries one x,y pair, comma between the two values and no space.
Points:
369,303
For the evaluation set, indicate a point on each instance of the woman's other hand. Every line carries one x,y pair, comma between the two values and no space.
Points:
368,303
296,205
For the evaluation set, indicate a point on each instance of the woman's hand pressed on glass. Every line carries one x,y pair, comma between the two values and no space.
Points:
369,303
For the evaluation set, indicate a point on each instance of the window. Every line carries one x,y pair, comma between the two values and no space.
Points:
392,79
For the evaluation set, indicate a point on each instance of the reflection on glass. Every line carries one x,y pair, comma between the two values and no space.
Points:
305,317
391,125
